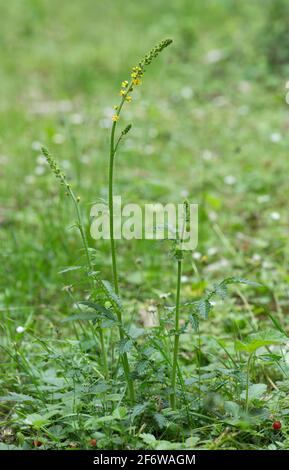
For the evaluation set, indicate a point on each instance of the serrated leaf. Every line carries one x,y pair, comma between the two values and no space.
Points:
103,313
138,410
194,320
125,345
160,420
135,332
112,295
94,306
120,412
204,307
148,439
259,340
17,397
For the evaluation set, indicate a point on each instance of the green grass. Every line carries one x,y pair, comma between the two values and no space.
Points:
202,130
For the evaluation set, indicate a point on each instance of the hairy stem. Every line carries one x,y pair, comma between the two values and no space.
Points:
177,337
125,362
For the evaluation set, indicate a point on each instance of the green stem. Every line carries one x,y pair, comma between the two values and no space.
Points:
177,337
247,382
112,153
89,264
111,209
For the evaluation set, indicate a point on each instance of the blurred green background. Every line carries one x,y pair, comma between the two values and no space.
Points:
210,123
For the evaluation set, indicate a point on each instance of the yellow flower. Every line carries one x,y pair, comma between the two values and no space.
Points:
124,84
122,92
133,75
115,107
136,81
115,118
128,99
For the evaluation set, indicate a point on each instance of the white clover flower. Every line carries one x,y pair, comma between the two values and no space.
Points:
244,86
214,56
29,179
220,101
187,92
36,145
263,198
275,137
58,139
20,329
85,159
66,164
40,170
149,149
213,216
256,258
76,118
212,251
3,159
230,180
275,216
207,155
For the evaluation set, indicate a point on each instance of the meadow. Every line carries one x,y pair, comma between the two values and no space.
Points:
209,125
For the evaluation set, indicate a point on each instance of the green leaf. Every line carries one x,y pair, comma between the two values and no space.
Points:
160,420
9,447
81,316
277,324
125,345
232,408
37,421
138,410
120,412
94,306
111,294
17,397
69,268
255,391
194,320
204,308
103,313
135,332
261,339
148,439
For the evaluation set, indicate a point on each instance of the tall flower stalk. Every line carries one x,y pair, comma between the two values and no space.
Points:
179,258
125,93
75,200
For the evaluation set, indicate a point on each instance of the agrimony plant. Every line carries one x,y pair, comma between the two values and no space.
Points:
127,87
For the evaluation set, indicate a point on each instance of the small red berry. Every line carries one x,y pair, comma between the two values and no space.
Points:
277,425
92,442
37,443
